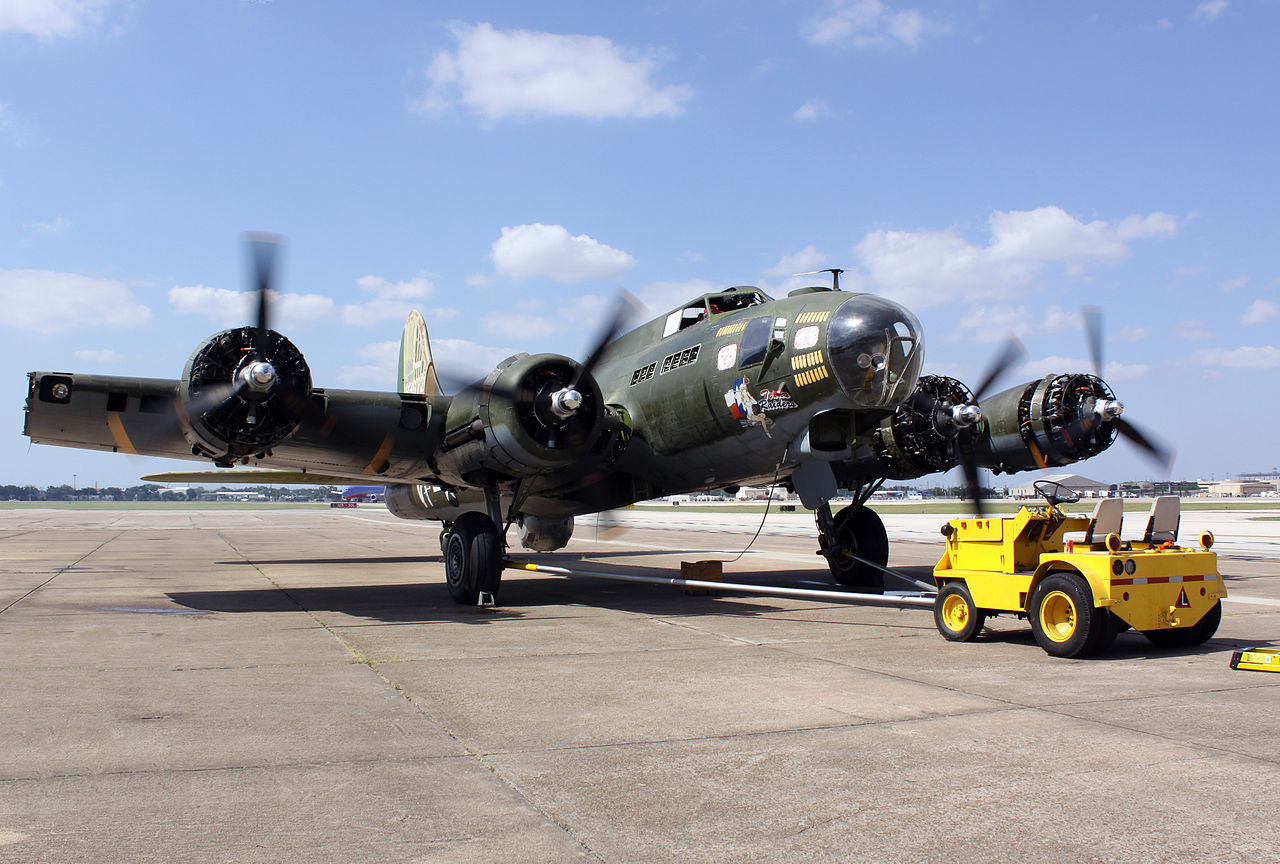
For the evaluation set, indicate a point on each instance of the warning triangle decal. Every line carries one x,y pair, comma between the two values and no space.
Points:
1183,602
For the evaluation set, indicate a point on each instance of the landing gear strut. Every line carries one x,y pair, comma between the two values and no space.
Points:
473,559
854,533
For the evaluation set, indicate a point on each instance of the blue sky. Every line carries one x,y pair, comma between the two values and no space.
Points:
507,166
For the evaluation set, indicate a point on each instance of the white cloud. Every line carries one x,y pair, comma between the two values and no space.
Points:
869,24
929,267
55,227
1245,357
51,19
659,297
1209,10
521,324
1111,372
1260,312
226,308
1059,320
45,301
1193,331
806,260
550,251
523,74
464,360
379,373
583,316
1131,334
1233,284
417,288
103,355
812,110
991,323
389,300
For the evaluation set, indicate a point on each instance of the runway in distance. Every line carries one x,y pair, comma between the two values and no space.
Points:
819,391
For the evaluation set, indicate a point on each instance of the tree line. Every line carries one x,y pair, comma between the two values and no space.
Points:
151,492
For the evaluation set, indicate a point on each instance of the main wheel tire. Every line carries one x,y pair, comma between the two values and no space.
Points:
1185,637
858,531
1064,619
954,614
472,559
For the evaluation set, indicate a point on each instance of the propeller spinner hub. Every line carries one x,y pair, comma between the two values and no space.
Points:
964,416
565,402
1109,409
258,377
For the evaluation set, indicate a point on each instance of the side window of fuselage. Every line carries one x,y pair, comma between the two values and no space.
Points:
755,342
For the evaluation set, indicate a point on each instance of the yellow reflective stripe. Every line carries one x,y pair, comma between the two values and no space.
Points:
381,455
116,425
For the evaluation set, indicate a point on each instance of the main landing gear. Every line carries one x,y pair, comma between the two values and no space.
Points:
854,542
472,551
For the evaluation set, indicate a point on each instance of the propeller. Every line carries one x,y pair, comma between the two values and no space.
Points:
1110,410
558,401
966,417
254,380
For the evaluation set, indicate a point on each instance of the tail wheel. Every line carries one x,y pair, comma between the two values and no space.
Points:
957,619
472,558
1064,619
1186,637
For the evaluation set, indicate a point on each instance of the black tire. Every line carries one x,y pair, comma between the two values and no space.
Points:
954,614
1186,637
1109,627
1064,619
858,531
472,559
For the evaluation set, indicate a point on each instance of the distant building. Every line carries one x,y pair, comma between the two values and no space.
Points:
1239,488
1086,487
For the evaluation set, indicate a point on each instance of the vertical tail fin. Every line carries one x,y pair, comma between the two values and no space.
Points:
417,372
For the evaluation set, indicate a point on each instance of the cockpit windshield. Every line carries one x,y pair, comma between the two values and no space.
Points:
877,350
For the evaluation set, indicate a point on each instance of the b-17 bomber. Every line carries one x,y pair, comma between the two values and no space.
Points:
818,391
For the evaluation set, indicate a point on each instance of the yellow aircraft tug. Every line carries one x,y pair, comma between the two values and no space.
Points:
1078,594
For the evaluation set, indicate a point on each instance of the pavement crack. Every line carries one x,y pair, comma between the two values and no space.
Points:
61,571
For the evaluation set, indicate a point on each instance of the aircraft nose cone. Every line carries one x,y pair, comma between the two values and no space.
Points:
877,349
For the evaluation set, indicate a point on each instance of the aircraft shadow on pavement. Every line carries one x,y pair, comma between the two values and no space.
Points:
521,594
520,598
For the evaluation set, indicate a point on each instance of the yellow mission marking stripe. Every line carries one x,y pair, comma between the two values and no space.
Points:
812,317
813,358
381,455
810,376
731,329
116,425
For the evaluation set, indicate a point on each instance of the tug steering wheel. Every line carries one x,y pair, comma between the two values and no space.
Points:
1056,493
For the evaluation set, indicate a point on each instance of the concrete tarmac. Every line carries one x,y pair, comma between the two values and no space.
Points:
296,685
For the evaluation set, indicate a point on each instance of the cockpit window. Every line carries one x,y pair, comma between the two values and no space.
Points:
734,301
712,304
755,342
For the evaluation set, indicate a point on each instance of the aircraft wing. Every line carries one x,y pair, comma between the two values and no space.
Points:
342,436
256,476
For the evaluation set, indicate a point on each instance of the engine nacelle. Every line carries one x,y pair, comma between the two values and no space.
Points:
438,503
533,414
231,414
544,534
1046,423
919,437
